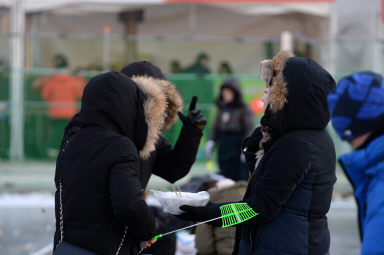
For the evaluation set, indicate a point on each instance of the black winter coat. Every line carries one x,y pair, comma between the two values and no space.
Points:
108,159
291,187
169,163
291,191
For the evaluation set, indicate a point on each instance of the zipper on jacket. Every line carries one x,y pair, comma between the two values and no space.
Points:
62,156
63,151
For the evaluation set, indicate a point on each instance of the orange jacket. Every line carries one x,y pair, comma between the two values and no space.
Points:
62,92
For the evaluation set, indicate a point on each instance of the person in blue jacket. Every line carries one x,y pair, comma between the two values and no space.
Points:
357,111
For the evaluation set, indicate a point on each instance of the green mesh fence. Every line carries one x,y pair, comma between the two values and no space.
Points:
42,135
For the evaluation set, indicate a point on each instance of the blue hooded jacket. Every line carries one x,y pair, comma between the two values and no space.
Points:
365,170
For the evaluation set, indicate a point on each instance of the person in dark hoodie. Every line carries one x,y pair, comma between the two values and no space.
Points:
234,121
357,110
99,170
292,161
200,66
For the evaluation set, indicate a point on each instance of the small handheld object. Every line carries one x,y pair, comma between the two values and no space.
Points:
231,214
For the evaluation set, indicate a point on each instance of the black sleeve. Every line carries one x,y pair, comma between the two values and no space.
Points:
248,121
286,168
252,142
126,197
174,164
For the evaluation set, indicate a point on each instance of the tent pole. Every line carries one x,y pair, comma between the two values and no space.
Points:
332,39
17,80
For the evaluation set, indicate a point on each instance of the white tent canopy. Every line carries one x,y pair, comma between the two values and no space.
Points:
80,6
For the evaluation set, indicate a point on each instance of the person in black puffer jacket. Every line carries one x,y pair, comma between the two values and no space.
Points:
292,162
104,147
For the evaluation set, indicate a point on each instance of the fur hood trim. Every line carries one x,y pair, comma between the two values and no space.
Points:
271,73
160,107
174,102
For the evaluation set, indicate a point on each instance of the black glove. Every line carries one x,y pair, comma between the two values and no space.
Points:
195,118
201,213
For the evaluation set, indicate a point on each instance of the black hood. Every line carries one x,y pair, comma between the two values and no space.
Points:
139,108
301,90
234,85
112,100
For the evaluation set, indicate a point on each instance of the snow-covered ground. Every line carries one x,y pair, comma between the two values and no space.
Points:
30,200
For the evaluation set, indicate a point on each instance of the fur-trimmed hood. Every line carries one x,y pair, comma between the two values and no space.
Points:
161,105
298,93
139,108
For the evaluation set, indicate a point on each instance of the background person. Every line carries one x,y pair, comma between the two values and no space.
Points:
234,121
175,66
357,110
61,91
224,68
200,66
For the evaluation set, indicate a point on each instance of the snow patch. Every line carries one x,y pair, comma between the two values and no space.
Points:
30,200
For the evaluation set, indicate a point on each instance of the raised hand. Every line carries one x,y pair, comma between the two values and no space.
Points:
195,118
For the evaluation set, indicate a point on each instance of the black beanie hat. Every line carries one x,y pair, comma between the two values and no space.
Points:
143,68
